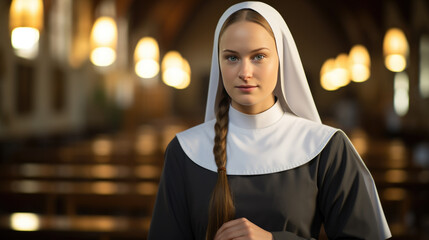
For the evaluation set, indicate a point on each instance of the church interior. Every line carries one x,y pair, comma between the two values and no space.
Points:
92,92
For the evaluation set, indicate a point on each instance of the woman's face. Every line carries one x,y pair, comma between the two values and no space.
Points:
249,65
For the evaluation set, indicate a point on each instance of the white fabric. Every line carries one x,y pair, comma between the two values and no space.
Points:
269,142
292,88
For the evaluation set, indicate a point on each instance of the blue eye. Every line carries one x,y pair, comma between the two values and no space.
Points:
259,57
232,58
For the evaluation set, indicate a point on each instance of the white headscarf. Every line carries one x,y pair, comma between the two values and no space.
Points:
292,88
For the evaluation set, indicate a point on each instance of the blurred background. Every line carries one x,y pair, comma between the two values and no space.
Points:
92,91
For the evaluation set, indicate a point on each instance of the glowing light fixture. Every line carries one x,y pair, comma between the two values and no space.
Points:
146,58
395,48
24,222
175,70
341,70
327,79
186,75
334,73
401,96
26,22
359,64
104,36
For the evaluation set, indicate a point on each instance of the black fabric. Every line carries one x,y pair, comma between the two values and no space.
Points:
291,204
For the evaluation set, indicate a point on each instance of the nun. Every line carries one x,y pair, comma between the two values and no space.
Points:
262,165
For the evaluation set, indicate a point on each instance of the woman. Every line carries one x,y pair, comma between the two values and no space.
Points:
262,166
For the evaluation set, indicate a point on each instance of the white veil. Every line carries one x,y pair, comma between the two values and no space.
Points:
292,88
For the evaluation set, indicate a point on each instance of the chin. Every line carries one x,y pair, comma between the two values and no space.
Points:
245,101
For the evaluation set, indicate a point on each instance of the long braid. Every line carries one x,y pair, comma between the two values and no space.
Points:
221,207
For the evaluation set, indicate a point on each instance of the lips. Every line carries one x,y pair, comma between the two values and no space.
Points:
246,88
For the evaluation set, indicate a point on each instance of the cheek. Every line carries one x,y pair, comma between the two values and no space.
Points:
271,75
227,73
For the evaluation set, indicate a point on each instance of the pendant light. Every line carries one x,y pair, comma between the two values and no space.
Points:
359,64
327,79
146,58
341,70
104,36
175,70
395,48
26,22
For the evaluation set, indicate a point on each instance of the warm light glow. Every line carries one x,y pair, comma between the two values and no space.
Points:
147,48
104,32
94,223
24,37
146,57
146,144
395,62
103,56
176,70
104,188
359,73
401,96
102,147
104,171
25,41
395,176
397,151
359,139
395,48
26,22
172,59
26,13
359,64
24,222
186,75
334,73
172,76
341,70
147,68
104,35
326,76
395,42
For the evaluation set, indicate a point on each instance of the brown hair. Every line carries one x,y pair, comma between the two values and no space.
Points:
221,208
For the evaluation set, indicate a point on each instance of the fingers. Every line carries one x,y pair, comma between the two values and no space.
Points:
241,229
231,229
232,223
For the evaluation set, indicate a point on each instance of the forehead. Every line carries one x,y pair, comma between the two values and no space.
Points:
244,35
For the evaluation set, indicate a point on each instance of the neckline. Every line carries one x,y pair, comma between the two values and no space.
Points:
255,121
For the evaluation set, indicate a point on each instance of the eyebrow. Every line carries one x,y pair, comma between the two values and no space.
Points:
255,50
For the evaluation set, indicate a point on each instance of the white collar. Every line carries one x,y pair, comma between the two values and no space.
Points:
276,144
261,120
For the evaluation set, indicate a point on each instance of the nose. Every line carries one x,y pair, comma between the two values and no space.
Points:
246,71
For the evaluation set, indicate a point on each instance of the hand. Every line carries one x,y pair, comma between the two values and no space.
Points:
242,229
